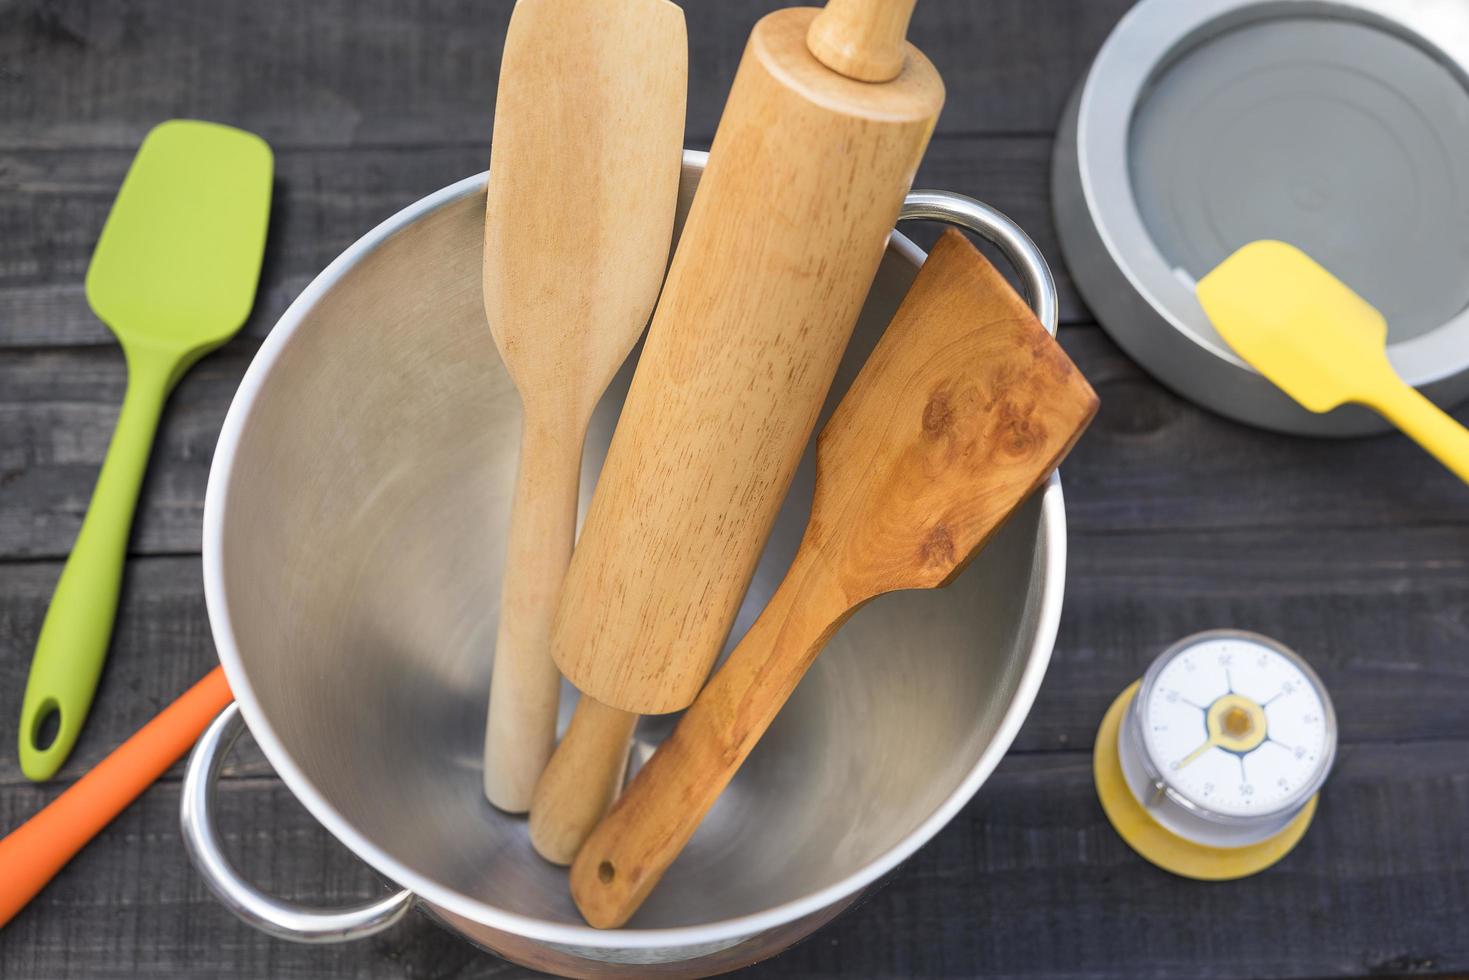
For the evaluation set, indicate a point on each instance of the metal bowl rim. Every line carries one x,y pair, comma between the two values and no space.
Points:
1051,545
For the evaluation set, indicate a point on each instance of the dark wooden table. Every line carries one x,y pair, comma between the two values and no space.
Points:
1356,553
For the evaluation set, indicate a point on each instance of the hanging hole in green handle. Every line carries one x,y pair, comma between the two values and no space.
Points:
46,726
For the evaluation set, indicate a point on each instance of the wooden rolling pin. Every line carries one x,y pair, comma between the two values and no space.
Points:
827,119
963,410
583,184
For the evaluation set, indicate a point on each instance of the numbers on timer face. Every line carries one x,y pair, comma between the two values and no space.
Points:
1273,774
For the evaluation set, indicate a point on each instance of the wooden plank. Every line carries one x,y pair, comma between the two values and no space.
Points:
1150,461
1351,551
57,411
1029,879
391,73
1377,611
54,202
1154,461
161,645
130,904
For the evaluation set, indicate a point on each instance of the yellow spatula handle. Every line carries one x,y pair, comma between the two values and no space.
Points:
78,625
1425,423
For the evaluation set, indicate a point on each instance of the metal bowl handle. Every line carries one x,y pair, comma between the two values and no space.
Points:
269,915
1036,281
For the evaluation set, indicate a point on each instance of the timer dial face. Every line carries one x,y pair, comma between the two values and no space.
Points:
1236,727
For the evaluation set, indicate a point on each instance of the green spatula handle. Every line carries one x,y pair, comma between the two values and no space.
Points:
78,625
1426,424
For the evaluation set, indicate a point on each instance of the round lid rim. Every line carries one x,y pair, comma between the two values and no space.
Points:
1149,35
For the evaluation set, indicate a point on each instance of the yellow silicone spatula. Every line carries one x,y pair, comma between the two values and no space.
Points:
1320,342
174,276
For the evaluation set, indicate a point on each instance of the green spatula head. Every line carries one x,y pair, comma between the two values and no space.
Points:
174,276
179,257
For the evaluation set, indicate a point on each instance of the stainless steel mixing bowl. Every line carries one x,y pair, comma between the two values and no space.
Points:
353,539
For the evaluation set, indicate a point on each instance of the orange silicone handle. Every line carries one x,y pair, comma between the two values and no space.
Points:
31,854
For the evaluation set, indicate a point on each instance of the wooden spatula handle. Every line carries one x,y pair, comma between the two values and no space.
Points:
525,688
582,779
862,39
960,413
649,825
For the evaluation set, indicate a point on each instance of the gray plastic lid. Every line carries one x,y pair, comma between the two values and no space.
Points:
1332,134
1340,125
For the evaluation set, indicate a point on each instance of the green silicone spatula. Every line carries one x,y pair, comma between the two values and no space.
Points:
1320,342
174,276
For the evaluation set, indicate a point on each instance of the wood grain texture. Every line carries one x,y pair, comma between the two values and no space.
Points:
57,408
1029,880
804,179
1384,622
583,778
35,851
327,197
160,646
862,39
964,408
416,73
584,174
1354,552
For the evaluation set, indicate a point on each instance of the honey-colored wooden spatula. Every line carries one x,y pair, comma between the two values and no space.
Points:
964,409
1320,342
583,184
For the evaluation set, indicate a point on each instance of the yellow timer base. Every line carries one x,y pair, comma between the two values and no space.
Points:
1161,846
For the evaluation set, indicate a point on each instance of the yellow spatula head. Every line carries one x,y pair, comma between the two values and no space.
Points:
1297,324
177,262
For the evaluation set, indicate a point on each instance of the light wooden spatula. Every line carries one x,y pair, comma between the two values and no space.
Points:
583,183
1320,342
964,408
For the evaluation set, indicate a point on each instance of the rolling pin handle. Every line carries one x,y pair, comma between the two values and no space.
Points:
862,39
